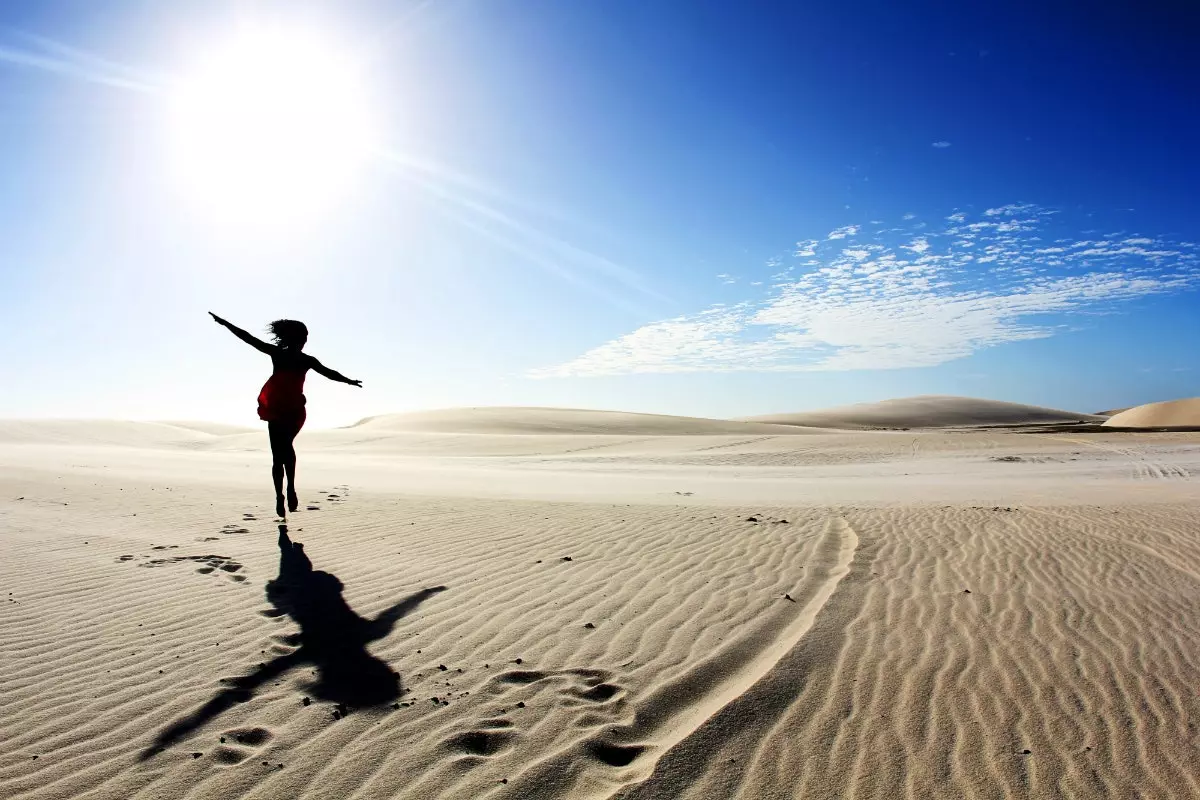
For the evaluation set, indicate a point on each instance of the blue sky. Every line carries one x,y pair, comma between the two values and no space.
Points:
681,207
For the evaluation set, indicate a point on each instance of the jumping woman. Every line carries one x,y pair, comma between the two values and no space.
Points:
281,401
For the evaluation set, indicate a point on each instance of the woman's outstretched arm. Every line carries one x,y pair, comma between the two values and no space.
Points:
333,375
257,344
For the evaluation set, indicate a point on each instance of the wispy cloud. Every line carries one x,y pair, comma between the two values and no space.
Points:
495,215
899,298
940,145
37,52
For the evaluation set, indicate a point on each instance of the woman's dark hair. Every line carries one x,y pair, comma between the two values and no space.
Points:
288,332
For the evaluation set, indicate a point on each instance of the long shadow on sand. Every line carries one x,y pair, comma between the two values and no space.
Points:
332,638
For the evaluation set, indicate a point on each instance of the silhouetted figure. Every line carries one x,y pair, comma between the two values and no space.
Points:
281,401
332,638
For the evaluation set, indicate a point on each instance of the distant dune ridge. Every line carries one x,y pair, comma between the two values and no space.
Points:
1169,414
927,411
534,420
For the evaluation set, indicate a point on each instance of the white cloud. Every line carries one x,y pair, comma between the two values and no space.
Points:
805,248
843,232
909,216
919,301
941,145
957,216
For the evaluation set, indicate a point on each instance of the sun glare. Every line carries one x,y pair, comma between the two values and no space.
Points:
270,126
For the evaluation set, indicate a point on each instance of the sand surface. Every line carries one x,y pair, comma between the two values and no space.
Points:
1168,414
928,411
640,613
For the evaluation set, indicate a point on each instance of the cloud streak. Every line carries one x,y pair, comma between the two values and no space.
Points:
48,55
902,298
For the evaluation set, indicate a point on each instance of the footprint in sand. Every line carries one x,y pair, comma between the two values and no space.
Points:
234,529
239,744
590,689
209,564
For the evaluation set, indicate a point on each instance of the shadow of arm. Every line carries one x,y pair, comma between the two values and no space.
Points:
382,624
239,690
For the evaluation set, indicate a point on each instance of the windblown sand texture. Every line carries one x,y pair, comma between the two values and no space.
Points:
530,604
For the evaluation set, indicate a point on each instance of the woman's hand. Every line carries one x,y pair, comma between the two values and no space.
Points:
355,383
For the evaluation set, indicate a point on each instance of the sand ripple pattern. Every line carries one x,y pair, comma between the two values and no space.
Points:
978,653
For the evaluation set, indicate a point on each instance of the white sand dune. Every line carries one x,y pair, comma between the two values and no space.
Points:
1168,414
114,432
870,614
532,420
929,411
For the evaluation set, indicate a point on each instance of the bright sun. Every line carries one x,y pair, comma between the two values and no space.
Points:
271,126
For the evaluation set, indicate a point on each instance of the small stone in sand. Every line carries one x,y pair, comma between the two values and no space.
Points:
517,661
520,705
305,701
567,558
588,625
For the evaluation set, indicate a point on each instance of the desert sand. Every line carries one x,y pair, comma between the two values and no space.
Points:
542,603
928,411
1168,414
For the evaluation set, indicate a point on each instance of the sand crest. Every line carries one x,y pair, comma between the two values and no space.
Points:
1168,414
930,411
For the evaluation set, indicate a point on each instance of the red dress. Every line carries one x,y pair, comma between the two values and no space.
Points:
282,398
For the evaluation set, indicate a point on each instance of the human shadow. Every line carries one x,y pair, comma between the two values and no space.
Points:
332,638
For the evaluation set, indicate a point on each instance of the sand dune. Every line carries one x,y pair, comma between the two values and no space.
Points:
930,411
113,432
959,614
518,420
1169,414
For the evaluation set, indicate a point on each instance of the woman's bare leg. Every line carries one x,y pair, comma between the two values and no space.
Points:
280,443
289,466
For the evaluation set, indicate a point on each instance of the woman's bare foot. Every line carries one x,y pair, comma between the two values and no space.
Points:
293,501
279,512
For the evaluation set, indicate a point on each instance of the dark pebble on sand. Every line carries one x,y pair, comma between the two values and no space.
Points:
517,661
266,763
520,705
567,558
966,591
1026,752
588,625
197,755
442,667
222,740
395,705
305,701
788,597
751,519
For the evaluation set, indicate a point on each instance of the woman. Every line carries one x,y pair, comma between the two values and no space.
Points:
281,401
